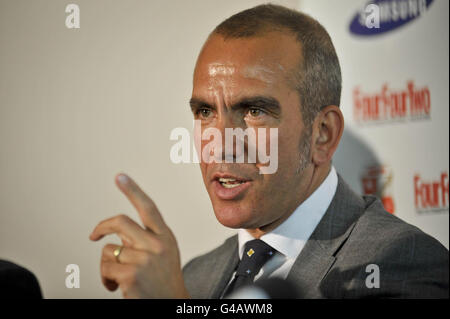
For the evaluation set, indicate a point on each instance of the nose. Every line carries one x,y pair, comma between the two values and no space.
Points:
233,145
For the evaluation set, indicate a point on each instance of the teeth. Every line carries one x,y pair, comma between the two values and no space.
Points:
230,182
231,185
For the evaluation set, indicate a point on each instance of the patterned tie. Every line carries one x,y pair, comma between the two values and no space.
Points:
256,254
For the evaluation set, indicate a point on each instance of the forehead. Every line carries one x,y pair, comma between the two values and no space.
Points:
266,60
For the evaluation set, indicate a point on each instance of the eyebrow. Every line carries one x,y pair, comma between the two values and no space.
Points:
266,102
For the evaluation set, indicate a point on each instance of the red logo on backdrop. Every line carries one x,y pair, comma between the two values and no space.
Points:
377,181
390,105
431,195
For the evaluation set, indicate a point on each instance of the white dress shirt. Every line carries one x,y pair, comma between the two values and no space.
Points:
290,237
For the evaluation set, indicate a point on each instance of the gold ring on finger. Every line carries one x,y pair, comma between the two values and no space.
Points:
117,252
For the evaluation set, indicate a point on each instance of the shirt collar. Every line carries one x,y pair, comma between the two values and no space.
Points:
290,237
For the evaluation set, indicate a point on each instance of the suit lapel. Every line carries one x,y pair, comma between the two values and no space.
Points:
318,255
223,268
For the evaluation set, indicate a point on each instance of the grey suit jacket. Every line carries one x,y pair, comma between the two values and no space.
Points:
354,233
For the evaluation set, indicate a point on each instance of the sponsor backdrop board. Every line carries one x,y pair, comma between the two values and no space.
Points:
395,66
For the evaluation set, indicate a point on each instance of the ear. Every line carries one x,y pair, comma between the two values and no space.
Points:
327,131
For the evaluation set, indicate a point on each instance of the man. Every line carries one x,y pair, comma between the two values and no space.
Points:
271,67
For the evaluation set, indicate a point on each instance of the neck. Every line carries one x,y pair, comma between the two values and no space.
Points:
316,178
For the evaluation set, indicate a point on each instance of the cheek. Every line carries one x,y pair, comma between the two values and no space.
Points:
288,148
283,144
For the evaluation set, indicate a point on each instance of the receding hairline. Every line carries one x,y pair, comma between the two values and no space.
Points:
290,70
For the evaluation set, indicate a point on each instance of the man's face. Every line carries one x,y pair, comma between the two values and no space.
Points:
246,83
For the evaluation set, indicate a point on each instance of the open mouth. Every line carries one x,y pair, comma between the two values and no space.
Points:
230,182
228,187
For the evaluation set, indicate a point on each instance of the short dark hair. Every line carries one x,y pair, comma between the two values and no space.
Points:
318,77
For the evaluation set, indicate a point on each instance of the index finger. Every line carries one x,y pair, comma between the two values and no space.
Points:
148,212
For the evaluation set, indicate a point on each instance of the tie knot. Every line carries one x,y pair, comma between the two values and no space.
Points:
256,254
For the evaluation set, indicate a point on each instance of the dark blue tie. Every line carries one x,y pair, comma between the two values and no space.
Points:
256,254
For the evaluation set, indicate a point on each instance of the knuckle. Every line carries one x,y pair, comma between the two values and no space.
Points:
122,219
158,248
146,206
106,249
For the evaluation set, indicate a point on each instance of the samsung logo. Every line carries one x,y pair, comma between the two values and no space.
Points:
381,16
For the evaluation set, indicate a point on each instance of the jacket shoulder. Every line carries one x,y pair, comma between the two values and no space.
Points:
383,229
198,273
411,262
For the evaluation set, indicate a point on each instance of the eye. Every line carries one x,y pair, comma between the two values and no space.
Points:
255,112
204,112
